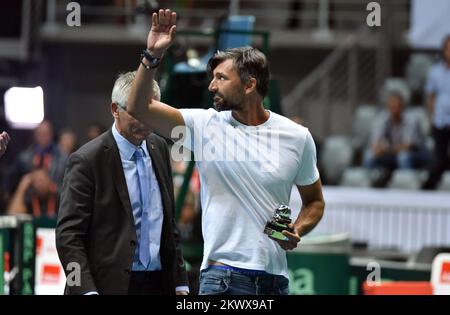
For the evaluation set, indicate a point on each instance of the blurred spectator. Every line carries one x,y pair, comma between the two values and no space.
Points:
94,130
190,230
36,194
187,220
4,139
438,101
67,142
43,153
397,141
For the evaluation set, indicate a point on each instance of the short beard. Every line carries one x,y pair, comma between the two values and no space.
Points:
227,104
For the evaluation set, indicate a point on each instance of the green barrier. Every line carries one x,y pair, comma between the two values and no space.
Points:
2,266
19,242
312,273
27,262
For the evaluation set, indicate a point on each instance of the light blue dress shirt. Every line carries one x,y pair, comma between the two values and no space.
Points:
126,150
438,83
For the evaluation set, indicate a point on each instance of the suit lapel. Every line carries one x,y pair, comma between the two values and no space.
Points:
115,165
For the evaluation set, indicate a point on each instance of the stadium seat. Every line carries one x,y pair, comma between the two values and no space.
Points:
356,177
407,179
336,157
417,70
362,125
444,184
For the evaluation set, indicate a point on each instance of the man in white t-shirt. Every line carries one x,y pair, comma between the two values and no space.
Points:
248,160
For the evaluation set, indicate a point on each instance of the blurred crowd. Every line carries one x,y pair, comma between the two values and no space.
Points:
31,181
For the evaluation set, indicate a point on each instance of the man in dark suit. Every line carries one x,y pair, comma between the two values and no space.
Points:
116,223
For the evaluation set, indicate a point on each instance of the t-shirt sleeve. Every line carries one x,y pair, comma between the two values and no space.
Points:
308,173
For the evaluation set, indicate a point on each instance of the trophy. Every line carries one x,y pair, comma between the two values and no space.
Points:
279,222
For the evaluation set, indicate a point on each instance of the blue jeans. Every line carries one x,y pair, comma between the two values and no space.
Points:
216,280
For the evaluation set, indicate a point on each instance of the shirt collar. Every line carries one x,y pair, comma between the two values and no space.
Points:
126,148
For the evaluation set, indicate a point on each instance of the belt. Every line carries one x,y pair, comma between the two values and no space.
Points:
249,272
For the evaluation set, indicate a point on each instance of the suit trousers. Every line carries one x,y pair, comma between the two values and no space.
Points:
145,283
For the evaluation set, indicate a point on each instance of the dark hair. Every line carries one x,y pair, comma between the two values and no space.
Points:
249,62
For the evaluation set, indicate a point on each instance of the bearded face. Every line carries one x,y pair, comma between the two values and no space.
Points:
228,89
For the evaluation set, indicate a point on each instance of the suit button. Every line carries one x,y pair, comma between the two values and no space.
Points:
133,243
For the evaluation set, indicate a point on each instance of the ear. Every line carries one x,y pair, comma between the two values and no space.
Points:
115,110
250,86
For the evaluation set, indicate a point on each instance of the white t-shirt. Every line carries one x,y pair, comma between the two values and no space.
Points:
246,172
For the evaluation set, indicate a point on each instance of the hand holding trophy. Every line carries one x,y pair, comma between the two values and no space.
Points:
281,229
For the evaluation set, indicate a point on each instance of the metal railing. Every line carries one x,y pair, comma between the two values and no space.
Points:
351,75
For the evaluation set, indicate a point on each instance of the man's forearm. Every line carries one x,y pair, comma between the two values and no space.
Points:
141,92
309,217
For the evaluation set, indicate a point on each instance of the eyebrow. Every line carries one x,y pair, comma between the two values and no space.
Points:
221,73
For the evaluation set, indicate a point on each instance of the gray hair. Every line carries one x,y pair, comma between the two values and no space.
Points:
122,89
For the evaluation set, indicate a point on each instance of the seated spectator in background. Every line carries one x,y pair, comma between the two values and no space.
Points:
4,139
396,140
36,194
43,153
94,130
67,143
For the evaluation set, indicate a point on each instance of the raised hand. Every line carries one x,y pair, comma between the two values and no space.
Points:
162,33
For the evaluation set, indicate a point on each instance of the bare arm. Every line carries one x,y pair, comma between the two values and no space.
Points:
17,204
309,216
312,209
159,116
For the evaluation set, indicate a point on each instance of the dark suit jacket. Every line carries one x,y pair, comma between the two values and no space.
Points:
95,221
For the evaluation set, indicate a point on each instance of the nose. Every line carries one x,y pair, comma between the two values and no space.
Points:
212,86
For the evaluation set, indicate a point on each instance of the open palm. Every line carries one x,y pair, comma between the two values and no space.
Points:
162,33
